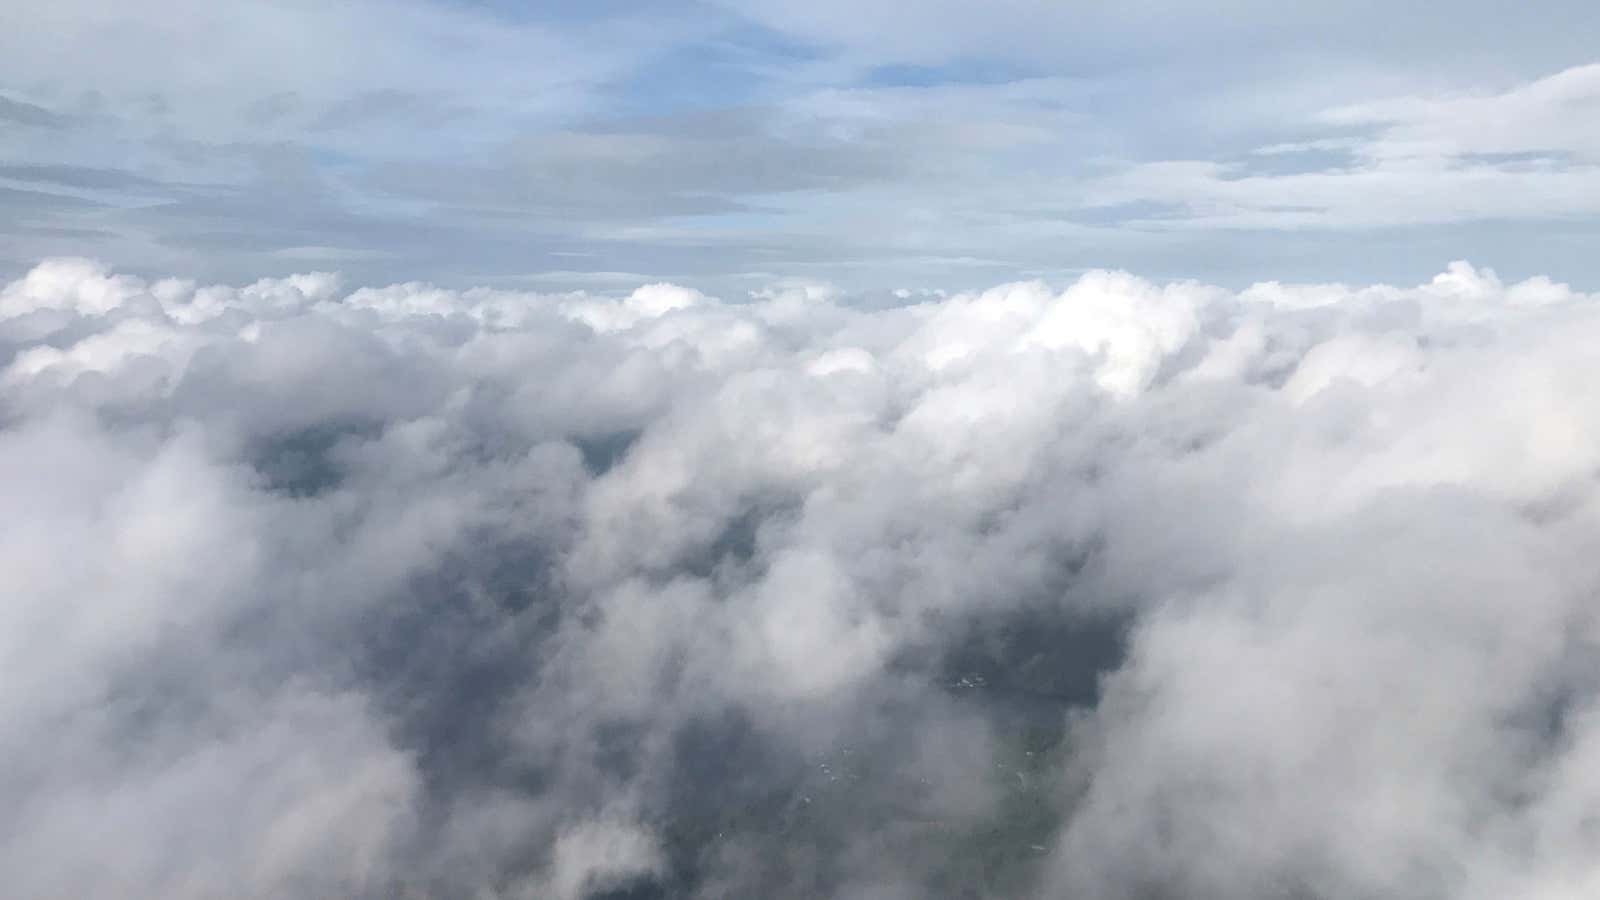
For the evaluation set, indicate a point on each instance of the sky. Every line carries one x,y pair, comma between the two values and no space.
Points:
702,451
872,145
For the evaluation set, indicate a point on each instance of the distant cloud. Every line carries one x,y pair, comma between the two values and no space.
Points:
20,113
864,142
74,176
1528,153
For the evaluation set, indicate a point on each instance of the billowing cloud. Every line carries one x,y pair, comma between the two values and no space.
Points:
1112,590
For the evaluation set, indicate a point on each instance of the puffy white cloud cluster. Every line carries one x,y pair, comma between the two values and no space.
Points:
1125,590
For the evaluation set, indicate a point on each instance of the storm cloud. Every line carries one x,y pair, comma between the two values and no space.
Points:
1109,589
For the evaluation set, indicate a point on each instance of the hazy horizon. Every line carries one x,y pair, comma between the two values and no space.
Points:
872,145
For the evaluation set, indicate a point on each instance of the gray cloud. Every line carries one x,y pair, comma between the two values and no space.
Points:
1089,36
23,113
75,176
694,165
25,201
415,110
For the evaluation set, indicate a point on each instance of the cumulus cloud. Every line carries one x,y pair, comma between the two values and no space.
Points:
1112,590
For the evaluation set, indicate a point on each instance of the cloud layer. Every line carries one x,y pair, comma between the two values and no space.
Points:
724,145
1121,590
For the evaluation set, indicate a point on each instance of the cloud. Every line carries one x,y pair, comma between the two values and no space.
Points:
73,176
24,113
689,165
1527,153
1543,117
363,59
878,145
1108,589
1156,33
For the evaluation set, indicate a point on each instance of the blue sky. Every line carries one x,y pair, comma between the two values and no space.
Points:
870,144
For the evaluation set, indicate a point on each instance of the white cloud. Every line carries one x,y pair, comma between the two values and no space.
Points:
1102,589
1547,116
1529,152
598,856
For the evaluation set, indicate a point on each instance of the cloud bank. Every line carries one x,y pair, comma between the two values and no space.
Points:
1121,590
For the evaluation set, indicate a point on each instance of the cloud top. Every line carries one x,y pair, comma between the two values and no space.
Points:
1107,590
